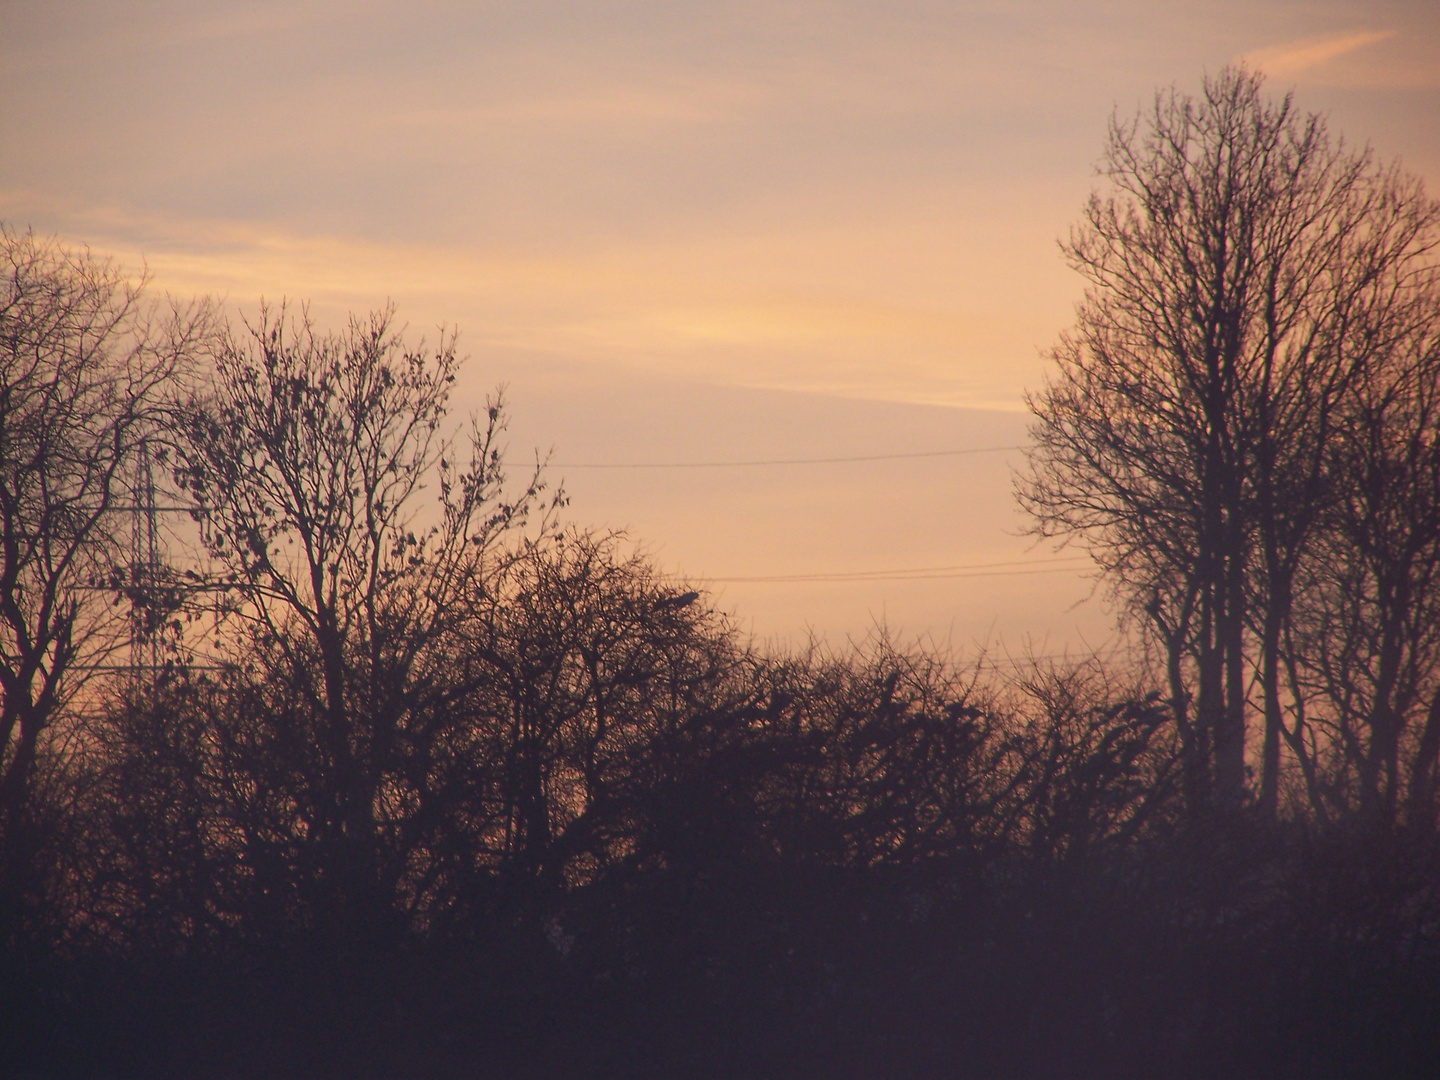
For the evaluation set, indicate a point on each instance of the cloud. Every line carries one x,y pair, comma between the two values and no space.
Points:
874,310
1297,57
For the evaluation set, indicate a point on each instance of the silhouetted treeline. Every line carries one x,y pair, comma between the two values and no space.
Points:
814,865
378,769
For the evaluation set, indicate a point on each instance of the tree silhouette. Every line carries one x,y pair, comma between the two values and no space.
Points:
84,371
307,456
1245,271
1366,645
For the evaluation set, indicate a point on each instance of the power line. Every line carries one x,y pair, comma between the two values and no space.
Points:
776,461
1076,656
918,573
859,578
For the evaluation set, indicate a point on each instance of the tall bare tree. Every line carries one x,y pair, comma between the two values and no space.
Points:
1366,640
85,369
308,456
1183,439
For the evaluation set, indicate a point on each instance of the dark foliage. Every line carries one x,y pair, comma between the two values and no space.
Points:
870,865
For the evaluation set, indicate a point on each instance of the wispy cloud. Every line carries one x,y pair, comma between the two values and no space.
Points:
1297,57
780,308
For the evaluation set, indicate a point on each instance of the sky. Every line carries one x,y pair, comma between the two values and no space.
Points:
687,234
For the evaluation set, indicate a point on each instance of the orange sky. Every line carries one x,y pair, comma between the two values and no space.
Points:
683,232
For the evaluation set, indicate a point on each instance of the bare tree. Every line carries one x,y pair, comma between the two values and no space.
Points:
85,369
581,660
308,457
1183,439
1366,644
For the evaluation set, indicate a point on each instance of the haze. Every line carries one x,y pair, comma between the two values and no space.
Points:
685,233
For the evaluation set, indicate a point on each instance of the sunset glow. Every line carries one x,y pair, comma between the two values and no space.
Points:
677,231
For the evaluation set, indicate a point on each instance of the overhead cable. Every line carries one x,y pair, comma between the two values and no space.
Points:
918,573
776,461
